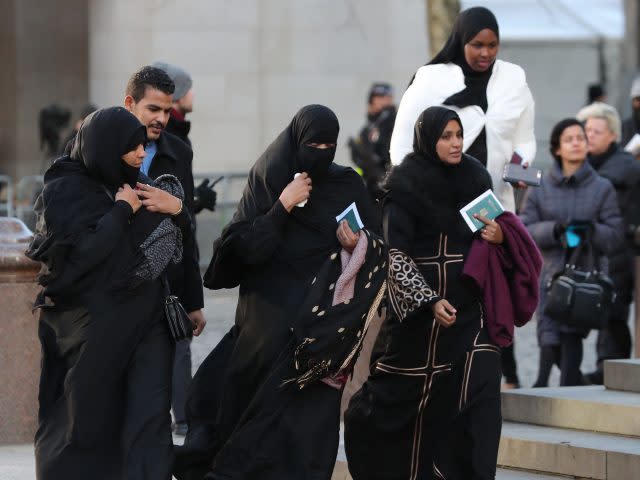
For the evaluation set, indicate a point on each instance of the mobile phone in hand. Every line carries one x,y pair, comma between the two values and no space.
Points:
514,173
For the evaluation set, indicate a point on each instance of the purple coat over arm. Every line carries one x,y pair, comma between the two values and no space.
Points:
508,276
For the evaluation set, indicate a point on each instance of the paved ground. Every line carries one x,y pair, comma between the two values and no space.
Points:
16,462
220,311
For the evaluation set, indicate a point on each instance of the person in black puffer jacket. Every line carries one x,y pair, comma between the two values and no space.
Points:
606,156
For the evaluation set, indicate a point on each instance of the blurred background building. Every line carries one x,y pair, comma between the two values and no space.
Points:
255,62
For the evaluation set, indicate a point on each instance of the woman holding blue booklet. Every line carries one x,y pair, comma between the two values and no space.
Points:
431,407
494,103
265,404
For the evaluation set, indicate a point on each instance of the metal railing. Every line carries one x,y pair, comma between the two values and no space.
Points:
27,191
6,196
19,200
210,224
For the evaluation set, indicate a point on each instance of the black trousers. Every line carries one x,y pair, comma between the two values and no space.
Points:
509,366
614,341
181,379
567,356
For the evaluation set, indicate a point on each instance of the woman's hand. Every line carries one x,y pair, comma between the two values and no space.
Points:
444,313
297,191
198,321
346,237
491,232
157,200
521,185
130,196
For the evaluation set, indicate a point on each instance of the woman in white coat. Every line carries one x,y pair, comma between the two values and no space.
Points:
491,97
493,101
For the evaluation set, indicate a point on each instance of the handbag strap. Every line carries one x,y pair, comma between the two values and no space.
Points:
165,284
583,255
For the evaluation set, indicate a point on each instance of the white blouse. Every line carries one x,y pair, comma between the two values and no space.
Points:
508,121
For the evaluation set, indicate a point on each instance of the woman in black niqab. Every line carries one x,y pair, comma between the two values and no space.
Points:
252,413
107,353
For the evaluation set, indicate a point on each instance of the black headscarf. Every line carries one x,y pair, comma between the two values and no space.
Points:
427,187
469,23
426,133
106,135
288,154
76,187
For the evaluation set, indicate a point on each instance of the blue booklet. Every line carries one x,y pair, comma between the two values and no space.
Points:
352,217
486,205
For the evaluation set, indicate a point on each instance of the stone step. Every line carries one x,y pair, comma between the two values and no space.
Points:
342,473
574,453
622,375
591,408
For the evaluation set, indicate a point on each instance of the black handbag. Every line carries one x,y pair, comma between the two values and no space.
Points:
177,317
580,295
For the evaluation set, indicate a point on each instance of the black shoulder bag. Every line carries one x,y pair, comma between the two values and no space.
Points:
177,317
580,295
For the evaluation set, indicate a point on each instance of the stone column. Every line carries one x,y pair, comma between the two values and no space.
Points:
441,15
44,51
19,345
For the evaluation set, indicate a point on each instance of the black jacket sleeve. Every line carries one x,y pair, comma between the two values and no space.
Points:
260,238
192,294
93,246
175,157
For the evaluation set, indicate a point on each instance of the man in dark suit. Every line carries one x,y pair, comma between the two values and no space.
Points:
178,125
149,98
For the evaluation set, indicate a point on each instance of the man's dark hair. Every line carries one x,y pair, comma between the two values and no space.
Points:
556,133
149,77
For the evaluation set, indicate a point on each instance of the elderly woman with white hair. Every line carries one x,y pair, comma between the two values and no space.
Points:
607,157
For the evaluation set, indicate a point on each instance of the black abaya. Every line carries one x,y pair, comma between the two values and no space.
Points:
431,408
246,420
106,370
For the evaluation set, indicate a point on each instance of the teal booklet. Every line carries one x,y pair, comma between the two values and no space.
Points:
486,205
352,217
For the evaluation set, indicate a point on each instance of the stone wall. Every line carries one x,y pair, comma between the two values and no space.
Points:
43,46
255,62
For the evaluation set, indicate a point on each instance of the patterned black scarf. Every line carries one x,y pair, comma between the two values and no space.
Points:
329,338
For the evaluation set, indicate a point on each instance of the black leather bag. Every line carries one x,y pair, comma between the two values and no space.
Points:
581,295
177,317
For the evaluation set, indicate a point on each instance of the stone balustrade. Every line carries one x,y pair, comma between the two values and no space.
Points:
19,345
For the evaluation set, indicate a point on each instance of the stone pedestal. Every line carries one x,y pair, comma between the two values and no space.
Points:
19,345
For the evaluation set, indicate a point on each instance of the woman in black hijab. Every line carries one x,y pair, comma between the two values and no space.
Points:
258,406
107,352
491,97
493,101
431,408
